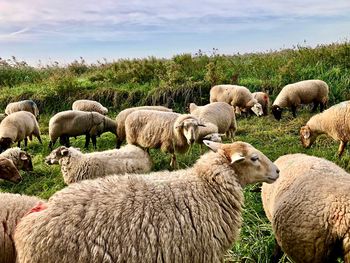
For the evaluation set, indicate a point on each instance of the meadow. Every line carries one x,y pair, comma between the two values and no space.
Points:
174,83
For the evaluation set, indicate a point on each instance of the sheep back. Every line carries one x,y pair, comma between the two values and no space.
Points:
24,105
308,208
12,208
302,92
234,95
89,105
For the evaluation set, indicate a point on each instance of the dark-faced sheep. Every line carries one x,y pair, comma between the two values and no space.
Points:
190,215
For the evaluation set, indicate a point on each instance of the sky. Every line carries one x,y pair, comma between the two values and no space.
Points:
64,30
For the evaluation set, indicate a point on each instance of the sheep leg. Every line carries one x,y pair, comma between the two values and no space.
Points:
93,139
314,108
118,143
277,253
341,148
87,140
294,111
39,139
19,144
173,162
322,106
51,144
25,142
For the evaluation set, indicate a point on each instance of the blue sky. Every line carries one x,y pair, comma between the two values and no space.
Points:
64,30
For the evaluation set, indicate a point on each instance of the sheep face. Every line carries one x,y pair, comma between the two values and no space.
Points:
214,137
307,137
8,171
249,164
5,143
25,162
257,109
189,128
277,112
56,155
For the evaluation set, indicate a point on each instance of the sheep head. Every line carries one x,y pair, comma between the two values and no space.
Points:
257,109
277,112
250,165
214,137
188,126
57,154
25,161
5,143
8,170
307,137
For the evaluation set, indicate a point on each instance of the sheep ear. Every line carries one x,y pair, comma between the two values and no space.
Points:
23,156
306,134
237,157
64,152
214,146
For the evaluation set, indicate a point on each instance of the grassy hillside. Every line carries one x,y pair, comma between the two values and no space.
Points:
175,83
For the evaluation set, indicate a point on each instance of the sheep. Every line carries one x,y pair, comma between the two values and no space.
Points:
24,105
71,123
21,159
89,105
8,170
236,96
190,215
303,92
263,99
309,209
17,127
12,208
334,122
170,131
218,113
121,117
76,166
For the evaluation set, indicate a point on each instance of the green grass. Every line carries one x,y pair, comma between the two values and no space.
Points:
273,138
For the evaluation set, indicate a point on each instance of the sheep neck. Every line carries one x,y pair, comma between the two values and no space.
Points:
317,124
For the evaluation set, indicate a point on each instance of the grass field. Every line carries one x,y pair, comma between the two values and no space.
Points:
175,83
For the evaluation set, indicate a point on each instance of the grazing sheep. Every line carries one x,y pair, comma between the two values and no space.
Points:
21,159
71,123
12,208
8,170
263,99
236,96
76,166
17,127
24,105
309,209
121,117
303,92
334,122
190,215
170,131
218,113
89,105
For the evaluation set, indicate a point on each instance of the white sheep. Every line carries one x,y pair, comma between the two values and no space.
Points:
303,92
236,96
71,123
17,127
8,170
191,215
121,117
263,99
21,159
170,131
24,105
77,166
309,209
12,208
334,122
89,105
218,113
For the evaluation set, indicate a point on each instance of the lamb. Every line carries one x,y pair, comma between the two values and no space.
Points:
8,170
76,166
170,131
121,117
71,123
190,215
17,127
12,208
21,159
89,105
263,99
309,209
236,96
220,114
24,105
334,122
303,92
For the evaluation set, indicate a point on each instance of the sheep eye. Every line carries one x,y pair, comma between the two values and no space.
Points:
254,158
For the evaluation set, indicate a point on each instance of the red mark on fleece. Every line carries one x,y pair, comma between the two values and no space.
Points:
39,207
266,98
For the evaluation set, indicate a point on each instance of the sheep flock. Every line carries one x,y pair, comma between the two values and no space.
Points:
123,205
